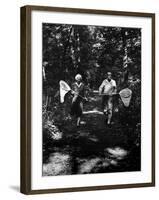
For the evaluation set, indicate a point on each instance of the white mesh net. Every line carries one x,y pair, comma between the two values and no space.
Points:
125,95
64,88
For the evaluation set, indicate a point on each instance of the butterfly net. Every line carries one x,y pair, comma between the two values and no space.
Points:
125,96
64,88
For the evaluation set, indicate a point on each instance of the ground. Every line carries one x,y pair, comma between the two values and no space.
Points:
91,148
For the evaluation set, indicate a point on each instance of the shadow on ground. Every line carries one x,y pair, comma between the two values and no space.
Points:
91,148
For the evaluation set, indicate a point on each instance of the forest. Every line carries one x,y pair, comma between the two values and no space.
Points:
91,51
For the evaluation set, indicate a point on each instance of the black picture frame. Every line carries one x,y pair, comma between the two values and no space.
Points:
26,98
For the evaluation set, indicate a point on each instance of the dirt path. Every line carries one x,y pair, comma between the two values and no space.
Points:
91,148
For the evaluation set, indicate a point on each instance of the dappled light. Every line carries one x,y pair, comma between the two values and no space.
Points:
87,128
59,164
88,165
117,152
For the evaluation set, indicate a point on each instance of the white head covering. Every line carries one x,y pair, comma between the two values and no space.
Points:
78,77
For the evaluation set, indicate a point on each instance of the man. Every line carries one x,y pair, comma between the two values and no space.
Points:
107,89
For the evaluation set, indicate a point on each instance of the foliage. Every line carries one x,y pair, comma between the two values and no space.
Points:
90,51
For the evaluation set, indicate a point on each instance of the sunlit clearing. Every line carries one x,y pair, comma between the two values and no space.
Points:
117,152
59,164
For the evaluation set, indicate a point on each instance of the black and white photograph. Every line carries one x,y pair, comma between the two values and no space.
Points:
91,99
88,99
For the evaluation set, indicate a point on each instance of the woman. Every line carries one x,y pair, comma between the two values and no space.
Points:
78,91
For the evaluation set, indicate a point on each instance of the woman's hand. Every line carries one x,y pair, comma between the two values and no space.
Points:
74,98
86,99
72,92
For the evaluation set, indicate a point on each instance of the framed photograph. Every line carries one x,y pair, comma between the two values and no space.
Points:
87,99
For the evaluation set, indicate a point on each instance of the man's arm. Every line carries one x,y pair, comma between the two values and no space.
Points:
101,87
